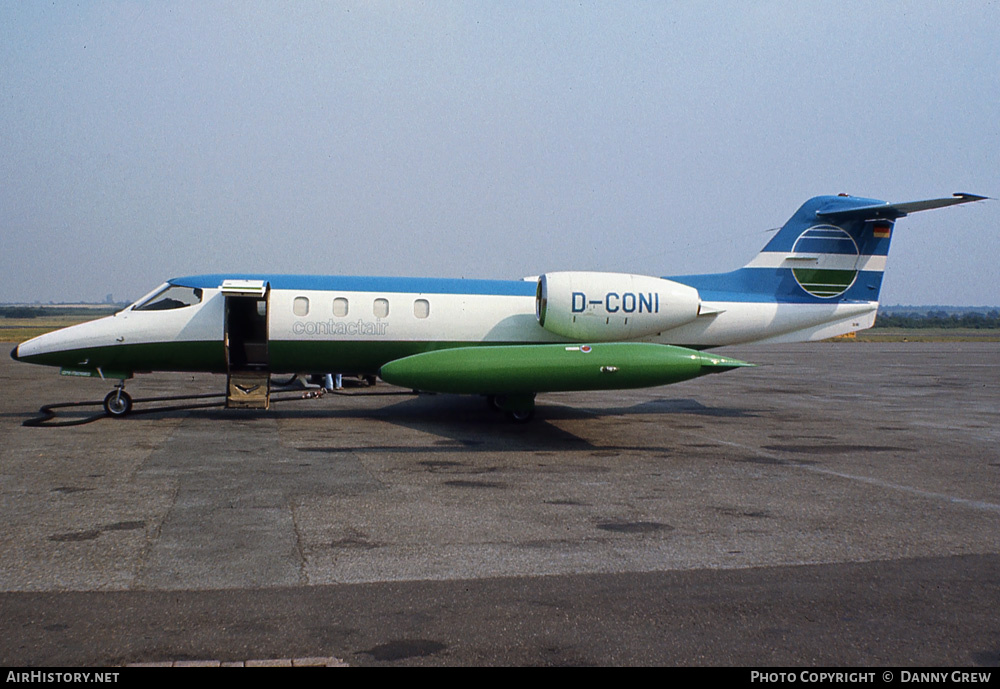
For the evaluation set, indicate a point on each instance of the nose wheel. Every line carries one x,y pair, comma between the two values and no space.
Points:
118,403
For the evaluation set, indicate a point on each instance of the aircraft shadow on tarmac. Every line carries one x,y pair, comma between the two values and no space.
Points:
467,409
464,423
469,426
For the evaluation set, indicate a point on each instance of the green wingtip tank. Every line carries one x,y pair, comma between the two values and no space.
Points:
553,368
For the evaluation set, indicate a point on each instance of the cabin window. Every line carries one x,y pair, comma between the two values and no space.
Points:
300,306
421,308
381,308
172,297
340,307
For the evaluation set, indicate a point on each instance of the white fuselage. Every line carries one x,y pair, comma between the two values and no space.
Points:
309,316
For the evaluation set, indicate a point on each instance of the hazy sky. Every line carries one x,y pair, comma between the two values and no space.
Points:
141,141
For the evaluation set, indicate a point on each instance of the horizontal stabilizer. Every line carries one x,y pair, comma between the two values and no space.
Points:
892,211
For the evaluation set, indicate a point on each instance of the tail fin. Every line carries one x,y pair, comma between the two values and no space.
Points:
834,248
830,256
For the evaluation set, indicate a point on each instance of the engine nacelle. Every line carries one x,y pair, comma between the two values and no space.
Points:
607,307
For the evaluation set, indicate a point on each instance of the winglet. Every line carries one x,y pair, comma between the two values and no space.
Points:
892,211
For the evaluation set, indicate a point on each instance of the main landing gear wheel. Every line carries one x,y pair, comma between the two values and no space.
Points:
521,415
519,408
118,403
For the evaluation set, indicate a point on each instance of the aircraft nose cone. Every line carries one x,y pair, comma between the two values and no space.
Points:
13,354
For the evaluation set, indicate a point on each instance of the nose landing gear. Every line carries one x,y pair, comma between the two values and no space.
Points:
118,403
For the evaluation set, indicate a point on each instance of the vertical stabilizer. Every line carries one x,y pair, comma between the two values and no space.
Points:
832,250
823,254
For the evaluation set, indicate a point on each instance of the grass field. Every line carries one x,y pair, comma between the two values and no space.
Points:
927,335
21,329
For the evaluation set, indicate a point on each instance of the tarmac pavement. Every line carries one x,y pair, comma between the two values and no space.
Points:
837,505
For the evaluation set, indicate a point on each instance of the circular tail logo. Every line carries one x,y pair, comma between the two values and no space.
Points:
837,256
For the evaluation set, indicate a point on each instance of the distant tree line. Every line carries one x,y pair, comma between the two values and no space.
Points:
977,320
21,312
40,311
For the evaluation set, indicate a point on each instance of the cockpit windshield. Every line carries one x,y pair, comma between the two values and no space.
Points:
170,297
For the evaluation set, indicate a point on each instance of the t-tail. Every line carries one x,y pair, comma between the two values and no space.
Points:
835,247
832,252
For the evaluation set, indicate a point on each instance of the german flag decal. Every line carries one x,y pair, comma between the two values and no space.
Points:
882,231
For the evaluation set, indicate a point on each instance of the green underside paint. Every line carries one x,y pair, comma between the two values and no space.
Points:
157,356
95,373
285,356
296,356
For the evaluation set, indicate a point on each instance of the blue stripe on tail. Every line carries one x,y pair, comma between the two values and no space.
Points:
811,259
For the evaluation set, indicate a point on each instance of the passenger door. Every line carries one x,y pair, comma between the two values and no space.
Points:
246,344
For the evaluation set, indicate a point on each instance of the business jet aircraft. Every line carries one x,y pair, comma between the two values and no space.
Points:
818,277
